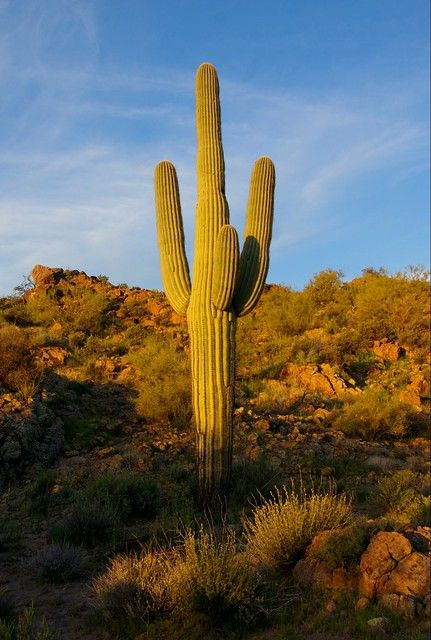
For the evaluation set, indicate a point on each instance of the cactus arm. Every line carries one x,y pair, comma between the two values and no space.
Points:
173,260
254,260
225,267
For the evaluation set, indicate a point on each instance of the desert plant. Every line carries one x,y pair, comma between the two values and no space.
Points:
134,585
16,367
343,547
225,284
161,395
128,493
400,495
90,523
279,530
211,577
374,414
59,563
24,628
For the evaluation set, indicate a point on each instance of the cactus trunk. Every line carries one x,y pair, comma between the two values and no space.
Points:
225,283
212,351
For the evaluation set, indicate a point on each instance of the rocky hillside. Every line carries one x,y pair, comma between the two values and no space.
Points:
95,433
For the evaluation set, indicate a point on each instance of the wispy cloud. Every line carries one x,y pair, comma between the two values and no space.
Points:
76,180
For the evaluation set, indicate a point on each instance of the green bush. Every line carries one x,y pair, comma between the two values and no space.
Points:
89,524
279,530
164,385
17,371
373,414
399,496
127,493
343,547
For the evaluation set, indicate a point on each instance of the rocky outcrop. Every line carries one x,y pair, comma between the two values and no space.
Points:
395,573
394,569
388,351
318,379
51,356
45,276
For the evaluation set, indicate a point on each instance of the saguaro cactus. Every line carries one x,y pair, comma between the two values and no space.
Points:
226,284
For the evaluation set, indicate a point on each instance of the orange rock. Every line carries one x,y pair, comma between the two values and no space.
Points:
385,550
387,351
411,576
317,379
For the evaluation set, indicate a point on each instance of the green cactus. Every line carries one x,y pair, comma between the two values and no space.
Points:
226,284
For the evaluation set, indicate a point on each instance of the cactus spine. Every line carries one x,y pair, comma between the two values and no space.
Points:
226,284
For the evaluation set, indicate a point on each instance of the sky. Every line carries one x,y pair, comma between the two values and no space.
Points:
94,93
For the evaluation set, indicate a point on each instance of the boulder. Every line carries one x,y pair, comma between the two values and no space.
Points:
395,573
387,351
45,276
400,604
379,625
317,379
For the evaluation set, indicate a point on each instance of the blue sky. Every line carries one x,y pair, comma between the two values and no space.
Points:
93,93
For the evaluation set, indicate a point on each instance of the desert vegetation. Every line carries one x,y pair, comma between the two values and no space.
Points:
101,533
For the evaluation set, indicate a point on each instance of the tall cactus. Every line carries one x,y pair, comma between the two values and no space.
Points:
226,284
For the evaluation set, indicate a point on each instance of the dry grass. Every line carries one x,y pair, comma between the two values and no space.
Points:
279,530
135,586
211,577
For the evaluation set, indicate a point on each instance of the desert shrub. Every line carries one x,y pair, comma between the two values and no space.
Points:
343,547
16,366
210,577
43,483
361,366
39,493
59,563
89,524
279,530
373,414
251,478
24,628
127,493
80,309
164,385
400,495
134,586
277,397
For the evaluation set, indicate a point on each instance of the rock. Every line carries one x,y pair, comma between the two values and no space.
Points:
411,577
44,276
362,603
387,351
320,415
327,471
381,462
392,571
380,625
317,379
385,550
331,606
399,603
52,356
